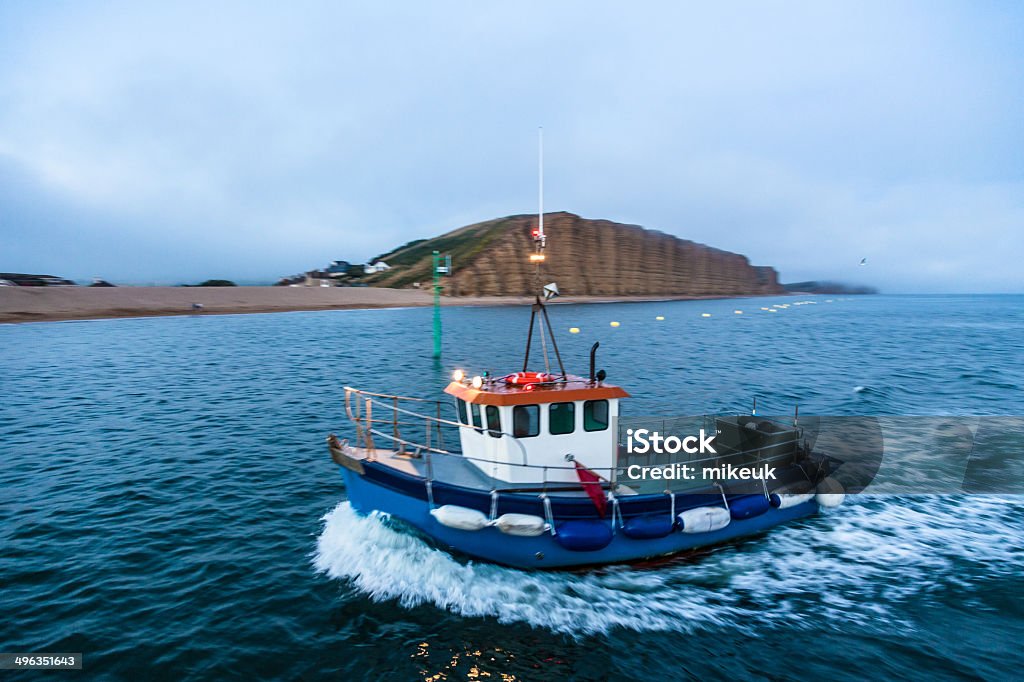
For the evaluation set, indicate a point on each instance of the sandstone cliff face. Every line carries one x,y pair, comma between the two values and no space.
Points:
585,257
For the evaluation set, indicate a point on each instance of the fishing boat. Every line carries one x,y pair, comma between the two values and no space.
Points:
537,479
532,469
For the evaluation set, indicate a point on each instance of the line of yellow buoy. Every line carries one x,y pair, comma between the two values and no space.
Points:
776,307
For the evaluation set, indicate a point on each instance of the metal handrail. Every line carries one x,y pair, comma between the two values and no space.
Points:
421,447
418,446
364,427
526,466
429,419
390,396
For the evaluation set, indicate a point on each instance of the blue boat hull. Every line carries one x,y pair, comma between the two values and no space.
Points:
368,494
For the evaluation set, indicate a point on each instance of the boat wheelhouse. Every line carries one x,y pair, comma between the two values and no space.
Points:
546,419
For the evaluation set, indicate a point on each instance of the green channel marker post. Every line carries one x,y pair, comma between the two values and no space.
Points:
439,270
437,305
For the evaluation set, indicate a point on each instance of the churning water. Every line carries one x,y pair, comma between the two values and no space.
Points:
167,505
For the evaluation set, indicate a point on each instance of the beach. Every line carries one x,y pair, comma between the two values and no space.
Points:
47,304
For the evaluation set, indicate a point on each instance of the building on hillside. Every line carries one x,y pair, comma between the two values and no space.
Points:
338,268
379,266
320,278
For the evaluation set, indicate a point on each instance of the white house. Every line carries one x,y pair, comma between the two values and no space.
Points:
379,266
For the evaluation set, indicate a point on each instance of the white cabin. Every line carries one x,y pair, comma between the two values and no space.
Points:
507,426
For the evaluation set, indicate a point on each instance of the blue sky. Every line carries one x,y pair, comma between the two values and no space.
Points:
171,143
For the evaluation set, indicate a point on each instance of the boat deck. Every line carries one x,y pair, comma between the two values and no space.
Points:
456,470
459,471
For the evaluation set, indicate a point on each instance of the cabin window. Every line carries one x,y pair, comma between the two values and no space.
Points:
525,421
477,419
463,415
493,421
561,418
595,415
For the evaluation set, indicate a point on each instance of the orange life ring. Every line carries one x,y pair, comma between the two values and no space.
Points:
528,378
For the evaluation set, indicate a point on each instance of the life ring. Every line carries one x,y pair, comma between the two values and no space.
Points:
528,378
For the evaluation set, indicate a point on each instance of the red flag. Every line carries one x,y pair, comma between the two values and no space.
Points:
591,483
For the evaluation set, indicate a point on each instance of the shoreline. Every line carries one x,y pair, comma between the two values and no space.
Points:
60,304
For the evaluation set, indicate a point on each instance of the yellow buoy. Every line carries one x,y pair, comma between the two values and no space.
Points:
705,314
574,330
659,318
615,324
738,312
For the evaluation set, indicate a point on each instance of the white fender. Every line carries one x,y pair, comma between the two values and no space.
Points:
704,519
787,500
460,518
829,493
526,525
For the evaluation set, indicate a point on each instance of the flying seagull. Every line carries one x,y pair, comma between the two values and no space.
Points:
863,261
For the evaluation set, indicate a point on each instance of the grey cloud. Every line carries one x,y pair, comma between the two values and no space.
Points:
252,141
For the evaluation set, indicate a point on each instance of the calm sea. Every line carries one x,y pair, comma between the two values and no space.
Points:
168,506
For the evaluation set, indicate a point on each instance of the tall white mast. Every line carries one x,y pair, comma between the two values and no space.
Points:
540,234
540,182
537,257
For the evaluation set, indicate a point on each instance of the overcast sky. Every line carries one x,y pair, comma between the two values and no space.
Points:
172,143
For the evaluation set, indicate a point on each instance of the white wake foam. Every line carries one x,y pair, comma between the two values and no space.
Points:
854,564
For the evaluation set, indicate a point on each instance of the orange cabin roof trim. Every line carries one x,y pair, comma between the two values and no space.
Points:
500,393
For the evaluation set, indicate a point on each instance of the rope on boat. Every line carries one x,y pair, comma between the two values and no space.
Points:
725,500
672,507
494,505
549,516
429,478
543,343
616,512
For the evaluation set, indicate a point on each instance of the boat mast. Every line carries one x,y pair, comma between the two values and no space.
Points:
537,258
540,194
540,237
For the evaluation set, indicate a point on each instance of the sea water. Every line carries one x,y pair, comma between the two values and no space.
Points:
168,506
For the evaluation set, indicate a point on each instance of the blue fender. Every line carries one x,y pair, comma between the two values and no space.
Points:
748,507
648,526
583,536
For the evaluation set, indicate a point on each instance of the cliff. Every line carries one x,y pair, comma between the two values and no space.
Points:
585,257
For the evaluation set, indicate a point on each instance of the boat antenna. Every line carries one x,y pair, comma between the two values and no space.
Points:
537,258
540,187
539,240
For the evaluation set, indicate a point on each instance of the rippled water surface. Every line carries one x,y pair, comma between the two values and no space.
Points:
167,505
